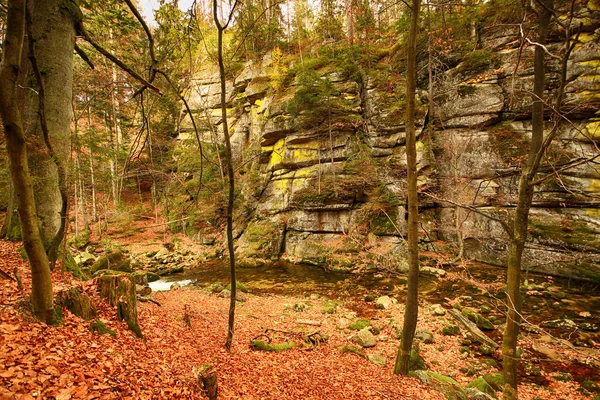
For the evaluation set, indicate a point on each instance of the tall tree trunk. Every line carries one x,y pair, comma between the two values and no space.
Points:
510,360
53,35
230,172
41,293
412,305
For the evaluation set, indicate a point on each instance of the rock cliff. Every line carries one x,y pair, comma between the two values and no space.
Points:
320,146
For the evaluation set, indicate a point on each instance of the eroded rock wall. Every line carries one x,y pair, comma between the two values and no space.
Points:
323,181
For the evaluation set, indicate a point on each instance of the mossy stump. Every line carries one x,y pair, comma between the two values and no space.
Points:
207,379
77,302
119,291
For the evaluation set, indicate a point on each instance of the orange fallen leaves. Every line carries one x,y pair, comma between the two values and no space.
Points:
71,362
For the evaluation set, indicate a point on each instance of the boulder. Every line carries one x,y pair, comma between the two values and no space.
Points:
475,394
364,338
424,335
495,380
444,384
437,309
85,259
377,359
482,386
383,302
432,271
114,260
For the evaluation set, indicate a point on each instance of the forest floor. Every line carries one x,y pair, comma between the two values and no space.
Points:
71,362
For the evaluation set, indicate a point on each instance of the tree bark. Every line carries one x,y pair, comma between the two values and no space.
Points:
119,291
412,295
510,360
53,33
41,295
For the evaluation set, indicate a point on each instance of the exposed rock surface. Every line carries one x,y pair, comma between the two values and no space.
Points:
324,182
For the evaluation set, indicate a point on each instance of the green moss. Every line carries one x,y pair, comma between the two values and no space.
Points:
329,307
495,380
481,385
565,231
590,386
101,328
477,62
115,260
352,349
14,229
58,315
23,253
450,330
466,90
262,345
415,361
73,268
359,324
239,286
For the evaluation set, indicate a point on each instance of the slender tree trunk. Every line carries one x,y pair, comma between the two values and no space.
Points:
41,294
92,176
230,172
412,304
510,360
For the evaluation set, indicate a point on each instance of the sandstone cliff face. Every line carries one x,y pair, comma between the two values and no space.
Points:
323,160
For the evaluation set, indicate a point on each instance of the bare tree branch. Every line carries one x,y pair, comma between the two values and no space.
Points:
83,33
84,56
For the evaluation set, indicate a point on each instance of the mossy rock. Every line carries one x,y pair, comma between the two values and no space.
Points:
481,385
562,377
590,386
301,306
495,380
101,328
72,266
486,350
238,286
482,323
446,385
115,260
329,307
277,347
352,349
359,324
416,361
450,330
370,297
152,277
489,362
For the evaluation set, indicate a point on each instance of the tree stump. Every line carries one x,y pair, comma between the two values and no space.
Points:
119,291
207,379
77,302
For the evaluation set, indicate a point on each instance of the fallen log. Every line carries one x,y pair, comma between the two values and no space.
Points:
473,329
308,322
6,276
